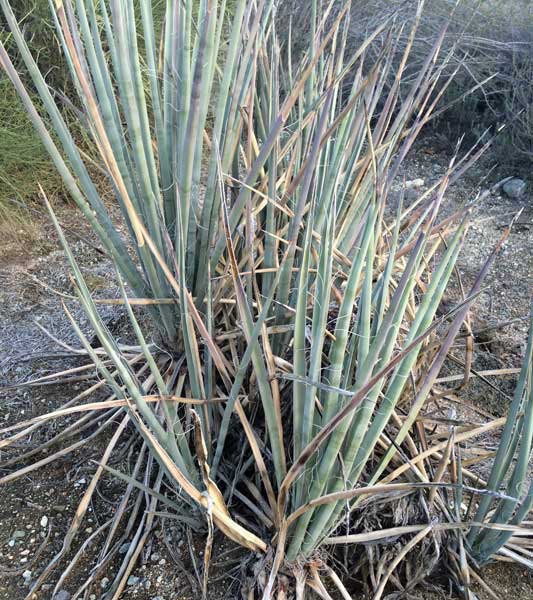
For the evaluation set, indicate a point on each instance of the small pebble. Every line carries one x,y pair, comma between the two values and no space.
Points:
415,184
132,580
124,548
18,534
26,575
44,521
62,595
514,188
104,583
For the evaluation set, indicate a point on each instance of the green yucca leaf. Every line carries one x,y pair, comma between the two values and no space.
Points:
511,462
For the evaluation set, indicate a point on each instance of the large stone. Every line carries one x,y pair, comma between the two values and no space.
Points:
514,188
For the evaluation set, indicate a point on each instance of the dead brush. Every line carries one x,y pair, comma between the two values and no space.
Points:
298,315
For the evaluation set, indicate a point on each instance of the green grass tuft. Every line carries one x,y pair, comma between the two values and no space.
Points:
24,162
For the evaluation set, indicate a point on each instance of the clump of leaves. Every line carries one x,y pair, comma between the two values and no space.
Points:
295,302
511,473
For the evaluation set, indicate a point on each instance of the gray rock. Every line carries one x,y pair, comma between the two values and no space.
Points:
62,595
415,184
26,576
132,580
18,534
514,188
104,583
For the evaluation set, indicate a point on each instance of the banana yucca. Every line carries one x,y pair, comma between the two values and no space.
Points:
293,294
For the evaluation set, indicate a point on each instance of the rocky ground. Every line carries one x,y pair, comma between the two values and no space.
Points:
35,511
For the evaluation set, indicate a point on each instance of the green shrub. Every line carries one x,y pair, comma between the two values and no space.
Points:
24,162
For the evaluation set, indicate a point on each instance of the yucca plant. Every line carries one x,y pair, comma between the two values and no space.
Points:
294,301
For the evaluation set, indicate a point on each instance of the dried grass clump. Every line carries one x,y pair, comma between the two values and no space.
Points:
492,44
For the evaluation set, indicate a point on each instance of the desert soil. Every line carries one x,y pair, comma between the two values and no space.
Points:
35,510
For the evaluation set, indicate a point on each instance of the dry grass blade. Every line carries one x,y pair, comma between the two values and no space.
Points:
220,515
80,511
398,558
